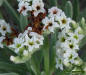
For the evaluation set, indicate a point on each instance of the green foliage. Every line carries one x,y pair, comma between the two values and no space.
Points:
11,11
1,2
23,22
83,14
69,9
9,74
75,9
46,54
52,3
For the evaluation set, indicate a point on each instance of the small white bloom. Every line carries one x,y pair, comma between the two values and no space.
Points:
49,24
70,56
59,63
24,8
38,7
64,21
4,28
25,53
29,28
17,44
54,11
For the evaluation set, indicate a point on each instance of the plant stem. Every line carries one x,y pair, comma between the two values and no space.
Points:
27,65
46,55
31,65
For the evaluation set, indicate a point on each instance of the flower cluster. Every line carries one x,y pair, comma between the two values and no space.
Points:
55,19
67,46
4,30
34,6
41,22
25,45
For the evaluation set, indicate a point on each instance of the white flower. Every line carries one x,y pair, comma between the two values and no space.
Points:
29,28
79,31
24,8
38,7
30,43
62,37
59,63
70,46
17,44
54,11
36,35
25,52
67,63
70,56
49,24
35,41
4,28
64,21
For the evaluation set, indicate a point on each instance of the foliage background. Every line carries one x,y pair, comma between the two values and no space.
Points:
5,65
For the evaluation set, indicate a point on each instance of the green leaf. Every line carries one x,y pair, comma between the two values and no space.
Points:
1,17
82,14
43,73
23,22
34,62
83,49
83,42
75,9
9,74
34,66
83,25
1,2
53,3
63,4
5,54
12,67
46,55
69,9
11,11
52,51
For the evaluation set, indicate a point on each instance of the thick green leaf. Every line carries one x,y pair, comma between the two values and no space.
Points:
83,42
11,11
46,55
1,17
5,54
35,62
52,3
62,5
9,74
75,9
52,51
83,25
69,9
12,67
23,22
82,14
1,2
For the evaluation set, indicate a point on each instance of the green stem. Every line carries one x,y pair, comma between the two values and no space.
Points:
28,65
32,65
46,55
35,67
